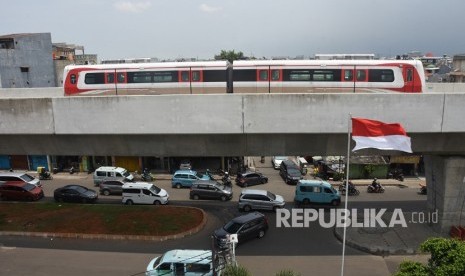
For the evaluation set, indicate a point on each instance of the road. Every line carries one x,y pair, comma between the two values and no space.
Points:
296,248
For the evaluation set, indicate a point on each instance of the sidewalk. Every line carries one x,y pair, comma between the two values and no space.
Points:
387,240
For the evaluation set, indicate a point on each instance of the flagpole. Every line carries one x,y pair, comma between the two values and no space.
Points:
349,126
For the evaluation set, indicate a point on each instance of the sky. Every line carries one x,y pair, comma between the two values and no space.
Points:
173,29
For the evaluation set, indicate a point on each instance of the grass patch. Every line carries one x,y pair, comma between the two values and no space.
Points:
98,219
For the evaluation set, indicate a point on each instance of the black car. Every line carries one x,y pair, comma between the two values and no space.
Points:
75,193
210,189
252,225
250,178
291,175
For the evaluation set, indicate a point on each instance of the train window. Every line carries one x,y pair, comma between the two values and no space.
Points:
195,75
263,75
214,75
139,77
110,78
184,75
73,79
244,75
275,74
300,75
94,78
361,75
348,75
409,75
165,76
325,75
121,77
380,75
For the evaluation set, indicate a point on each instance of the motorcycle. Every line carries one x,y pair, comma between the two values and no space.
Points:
71,170
210,176
226,180
352,190
375,189
44,174
396,174
423,190
146,176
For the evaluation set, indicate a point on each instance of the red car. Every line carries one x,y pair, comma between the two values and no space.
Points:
20,191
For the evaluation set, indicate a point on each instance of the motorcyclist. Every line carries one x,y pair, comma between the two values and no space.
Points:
375,184
226,180
351,186
208,173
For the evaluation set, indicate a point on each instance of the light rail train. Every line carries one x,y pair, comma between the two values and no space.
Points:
248,76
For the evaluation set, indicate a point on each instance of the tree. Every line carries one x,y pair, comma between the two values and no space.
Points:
229,55
447,258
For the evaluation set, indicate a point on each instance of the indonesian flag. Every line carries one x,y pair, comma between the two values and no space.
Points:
374,134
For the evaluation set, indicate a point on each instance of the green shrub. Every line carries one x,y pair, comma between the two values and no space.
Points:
231,270
287,272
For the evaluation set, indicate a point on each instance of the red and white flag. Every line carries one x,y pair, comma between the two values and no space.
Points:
374,134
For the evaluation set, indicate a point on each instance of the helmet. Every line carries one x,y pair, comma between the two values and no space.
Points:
226,173
375,179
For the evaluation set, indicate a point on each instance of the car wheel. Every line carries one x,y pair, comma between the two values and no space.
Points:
223,198
195,197
335,202
245,185
261,233
84,200
178,186
129,202
306,201
156,202
263,181
106,192
3,198
247,208
30,198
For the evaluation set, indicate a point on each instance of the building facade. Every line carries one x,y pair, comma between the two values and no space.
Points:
26,61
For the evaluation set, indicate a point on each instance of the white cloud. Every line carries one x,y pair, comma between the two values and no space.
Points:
129,6
209,9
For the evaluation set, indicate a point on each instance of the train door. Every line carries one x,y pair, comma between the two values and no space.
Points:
269,80
191,81
408,78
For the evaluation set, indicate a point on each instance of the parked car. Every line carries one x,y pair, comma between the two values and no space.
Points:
316,191
259,200
182,262
143,193
291,175
185,165
276,161
75,193
210,189
185,178
111,173
109,187
250,178
19,177
18,190
249,226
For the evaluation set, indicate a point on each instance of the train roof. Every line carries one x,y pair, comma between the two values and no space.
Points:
216,63
240,63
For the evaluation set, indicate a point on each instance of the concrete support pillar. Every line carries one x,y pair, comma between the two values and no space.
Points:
445,180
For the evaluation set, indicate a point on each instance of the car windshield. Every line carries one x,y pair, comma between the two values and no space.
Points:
294,172
29,187
271,195
155,189
199,175
125,173
232,227
280,157
26,177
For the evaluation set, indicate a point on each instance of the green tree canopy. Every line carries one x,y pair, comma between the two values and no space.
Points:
229,55
447,259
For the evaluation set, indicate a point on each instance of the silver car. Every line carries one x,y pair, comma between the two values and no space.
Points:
259,200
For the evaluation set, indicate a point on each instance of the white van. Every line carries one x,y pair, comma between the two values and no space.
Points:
144,193
111,173
182,262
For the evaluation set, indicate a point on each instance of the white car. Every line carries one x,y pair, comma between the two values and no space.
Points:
276,161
